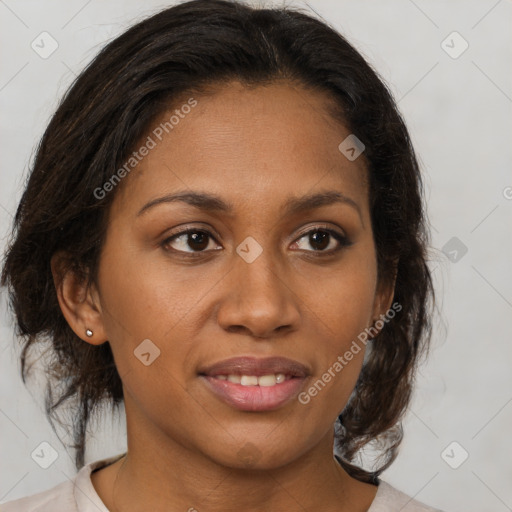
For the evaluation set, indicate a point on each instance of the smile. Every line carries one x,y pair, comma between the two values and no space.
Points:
253,380
253,393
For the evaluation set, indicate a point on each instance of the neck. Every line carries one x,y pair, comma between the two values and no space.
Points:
159,473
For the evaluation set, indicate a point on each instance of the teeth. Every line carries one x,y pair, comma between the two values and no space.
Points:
252,380
271,380
248,380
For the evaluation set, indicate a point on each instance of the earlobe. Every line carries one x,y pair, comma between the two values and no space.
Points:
77,303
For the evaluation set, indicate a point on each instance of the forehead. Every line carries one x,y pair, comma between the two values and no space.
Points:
265,143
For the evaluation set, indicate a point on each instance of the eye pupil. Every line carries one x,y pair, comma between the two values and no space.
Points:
319,237
198,238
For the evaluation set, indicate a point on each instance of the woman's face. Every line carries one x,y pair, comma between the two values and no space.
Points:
255,277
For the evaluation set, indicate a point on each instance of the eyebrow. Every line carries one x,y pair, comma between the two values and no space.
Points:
211,203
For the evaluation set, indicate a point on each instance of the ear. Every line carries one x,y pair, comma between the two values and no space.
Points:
384,294
79,303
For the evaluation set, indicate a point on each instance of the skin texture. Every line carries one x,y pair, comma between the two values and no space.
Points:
255,148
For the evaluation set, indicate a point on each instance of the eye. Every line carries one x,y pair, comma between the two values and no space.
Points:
194,241
321,238
190,241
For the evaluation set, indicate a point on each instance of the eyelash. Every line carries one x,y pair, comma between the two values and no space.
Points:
342,240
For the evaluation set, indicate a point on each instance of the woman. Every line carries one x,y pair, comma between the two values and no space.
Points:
223,228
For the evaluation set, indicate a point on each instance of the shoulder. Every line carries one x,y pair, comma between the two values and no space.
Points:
76,495
57,499
388,498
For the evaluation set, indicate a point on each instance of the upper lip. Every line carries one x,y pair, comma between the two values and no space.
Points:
256,366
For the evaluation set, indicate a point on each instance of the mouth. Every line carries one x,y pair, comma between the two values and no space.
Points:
252,384
269,380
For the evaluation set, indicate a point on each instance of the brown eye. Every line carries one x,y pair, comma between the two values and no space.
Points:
192,240
322,239
319,240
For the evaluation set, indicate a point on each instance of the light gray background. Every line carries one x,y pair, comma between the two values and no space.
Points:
458,111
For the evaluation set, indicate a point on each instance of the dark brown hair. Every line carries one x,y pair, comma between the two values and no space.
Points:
110,106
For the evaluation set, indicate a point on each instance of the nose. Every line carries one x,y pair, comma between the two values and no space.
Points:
258,300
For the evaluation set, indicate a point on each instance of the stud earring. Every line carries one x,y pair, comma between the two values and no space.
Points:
88,332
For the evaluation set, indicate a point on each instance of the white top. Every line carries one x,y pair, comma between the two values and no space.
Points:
79,495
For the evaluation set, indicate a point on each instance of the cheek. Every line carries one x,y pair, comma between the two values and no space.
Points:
142,301
345,302
143,294
148,328
343,311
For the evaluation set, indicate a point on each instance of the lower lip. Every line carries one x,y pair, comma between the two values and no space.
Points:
255,398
